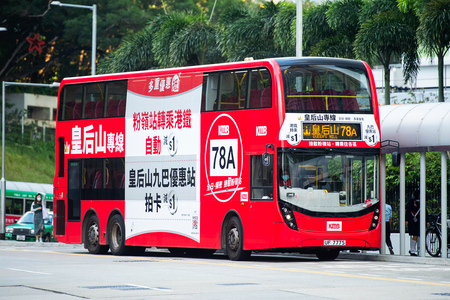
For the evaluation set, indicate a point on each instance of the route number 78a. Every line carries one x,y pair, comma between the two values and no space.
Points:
223,157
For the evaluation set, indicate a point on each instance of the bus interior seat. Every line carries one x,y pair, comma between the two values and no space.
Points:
99,109
333,102
350,103
121,107
317,102
68,113
118,177
89,110
229,103
77,111
111,108
255,98
266,97
97,180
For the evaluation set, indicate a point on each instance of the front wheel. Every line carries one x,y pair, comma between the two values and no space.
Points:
92,237
235,240
433,242
116,235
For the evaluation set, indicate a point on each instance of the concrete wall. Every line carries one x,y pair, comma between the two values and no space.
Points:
41,108
424,89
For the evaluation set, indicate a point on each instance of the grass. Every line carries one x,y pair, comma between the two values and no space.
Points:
29,164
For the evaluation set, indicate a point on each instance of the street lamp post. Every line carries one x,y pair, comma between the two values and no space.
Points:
3,180
299,30
94,28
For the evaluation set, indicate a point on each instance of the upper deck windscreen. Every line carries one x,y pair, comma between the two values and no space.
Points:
323,88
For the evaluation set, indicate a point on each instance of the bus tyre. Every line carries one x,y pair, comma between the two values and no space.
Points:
327,254
433,242
234,240
116,236
92,237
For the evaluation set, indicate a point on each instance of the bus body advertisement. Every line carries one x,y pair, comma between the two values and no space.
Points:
261,155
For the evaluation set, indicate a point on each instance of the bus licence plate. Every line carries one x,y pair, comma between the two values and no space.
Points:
334,242
20,238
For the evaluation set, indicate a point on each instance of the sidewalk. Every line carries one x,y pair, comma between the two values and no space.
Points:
406,258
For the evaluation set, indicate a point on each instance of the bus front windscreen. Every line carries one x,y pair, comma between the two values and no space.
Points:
327,89
328,181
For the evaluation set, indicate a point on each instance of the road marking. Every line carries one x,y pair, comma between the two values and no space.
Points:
149,288
242,266
28,271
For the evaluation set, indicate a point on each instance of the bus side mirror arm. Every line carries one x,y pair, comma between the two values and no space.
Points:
266,155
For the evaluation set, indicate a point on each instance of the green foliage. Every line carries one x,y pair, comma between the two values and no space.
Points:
247,32
343,15
67,33
386,33
285,27
412,181
24,163
330,28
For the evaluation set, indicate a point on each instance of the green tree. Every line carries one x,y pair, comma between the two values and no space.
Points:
249,32
433,34
330,28
387,33
67,33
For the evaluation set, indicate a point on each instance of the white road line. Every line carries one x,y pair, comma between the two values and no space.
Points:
27,271
150,288
409,278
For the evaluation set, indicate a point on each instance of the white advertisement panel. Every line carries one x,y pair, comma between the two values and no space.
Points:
162,156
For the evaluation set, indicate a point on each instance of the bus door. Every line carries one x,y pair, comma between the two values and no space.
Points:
74,191
261,206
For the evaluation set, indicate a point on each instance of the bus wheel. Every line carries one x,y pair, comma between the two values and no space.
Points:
235,240
327,254
116,234
92,237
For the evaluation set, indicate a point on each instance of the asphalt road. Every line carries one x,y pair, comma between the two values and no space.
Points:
58,271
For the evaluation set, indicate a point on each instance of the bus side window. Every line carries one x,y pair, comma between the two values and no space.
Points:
260,89
114,179
95,93
209,92
116,98
71,95
92,179
227,99
261,179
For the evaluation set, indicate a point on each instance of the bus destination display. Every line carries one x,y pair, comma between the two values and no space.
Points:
331,131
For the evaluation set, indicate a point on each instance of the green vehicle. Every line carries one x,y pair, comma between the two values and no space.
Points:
23,230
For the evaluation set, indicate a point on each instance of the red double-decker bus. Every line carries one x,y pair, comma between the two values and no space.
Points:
276,154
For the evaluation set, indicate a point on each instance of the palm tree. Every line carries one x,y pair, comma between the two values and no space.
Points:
434,34
134,54
248,32
170,40
330,28
385,33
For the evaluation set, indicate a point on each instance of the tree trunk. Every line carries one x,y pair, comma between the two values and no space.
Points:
387,81
441,77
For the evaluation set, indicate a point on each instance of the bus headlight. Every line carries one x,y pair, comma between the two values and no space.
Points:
375,218
288,216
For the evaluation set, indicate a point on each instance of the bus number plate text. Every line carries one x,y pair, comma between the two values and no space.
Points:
334,243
